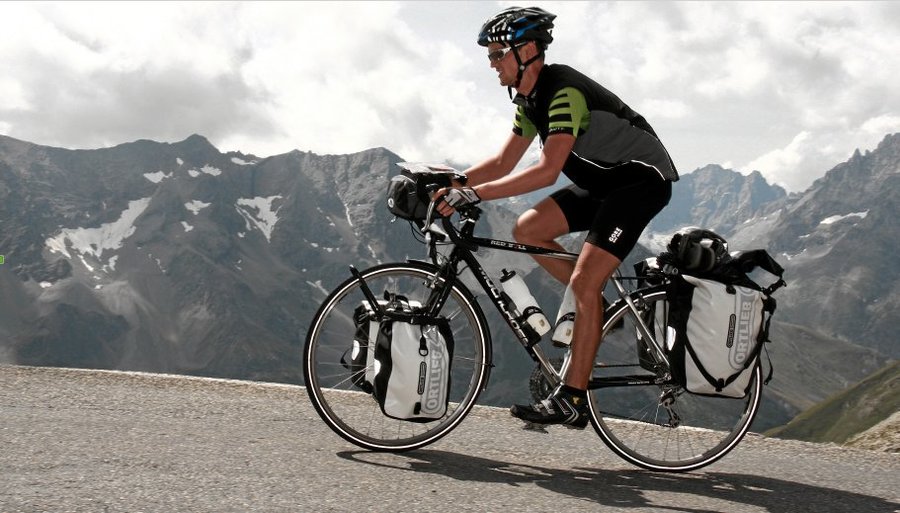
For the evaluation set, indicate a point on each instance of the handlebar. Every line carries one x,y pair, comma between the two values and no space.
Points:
468,213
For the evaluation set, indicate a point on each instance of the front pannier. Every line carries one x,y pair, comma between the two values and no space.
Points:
413,353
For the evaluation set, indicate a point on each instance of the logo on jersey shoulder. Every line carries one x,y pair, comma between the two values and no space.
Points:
615,235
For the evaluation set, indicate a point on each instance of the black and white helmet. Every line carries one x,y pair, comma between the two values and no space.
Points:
518,25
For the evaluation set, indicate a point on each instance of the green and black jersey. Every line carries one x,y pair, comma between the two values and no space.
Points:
608,132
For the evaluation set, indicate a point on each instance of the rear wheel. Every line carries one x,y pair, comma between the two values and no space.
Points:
354,414
660,427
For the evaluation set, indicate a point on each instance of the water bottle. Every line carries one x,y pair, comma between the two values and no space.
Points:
529,311
565,320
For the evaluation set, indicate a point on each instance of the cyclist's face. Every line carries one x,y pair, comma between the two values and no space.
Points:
503,62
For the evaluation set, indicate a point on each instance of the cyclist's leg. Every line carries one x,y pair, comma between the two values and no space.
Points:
635,195
593,269
540,226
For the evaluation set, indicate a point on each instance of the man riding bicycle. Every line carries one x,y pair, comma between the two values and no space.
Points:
621,176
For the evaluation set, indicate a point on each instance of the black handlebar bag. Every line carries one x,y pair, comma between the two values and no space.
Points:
409,194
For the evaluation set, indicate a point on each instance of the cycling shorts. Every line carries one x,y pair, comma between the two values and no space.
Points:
619,205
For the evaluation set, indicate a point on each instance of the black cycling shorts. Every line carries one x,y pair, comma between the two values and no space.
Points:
618,206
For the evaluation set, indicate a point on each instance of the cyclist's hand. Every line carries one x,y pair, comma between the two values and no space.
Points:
462,196
456,197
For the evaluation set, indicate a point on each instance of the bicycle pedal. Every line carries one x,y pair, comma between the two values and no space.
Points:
537,428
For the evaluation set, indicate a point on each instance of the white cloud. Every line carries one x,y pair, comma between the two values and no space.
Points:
720,82
659,108
779,165
881,125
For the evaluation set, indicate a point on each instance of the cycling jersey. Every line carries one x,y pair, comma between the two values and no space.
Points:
608,132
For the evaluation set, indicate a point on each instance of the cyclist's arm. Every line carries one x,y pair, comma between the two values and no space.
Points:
501,164
568,117
543,174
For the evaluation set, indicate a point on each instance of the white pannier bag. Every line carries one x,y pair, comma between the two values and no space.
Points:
412,364
715,334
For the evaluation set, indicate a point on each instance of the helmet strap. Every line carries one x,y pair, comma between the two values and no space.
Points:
522,66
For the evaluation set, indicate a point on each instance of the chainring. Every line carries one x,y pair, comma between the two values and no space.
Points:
538,385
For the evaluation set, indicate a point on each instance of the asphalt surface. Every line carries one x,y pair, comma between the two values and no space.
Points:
85,441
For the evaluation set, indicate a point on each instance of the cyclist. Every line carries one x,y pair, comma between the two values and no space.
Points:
621,176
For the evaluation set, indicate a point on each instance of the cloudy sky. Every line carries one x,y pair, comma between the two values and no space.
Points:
786,89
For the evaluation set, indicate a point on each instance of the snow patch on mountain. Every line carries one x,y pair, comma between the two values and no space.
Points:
94,241
242,162
207,169
196,206
835,219
157,176
318,286
259,212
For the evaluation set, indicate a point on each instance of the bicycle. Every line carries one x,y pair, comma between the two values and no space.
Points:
636,407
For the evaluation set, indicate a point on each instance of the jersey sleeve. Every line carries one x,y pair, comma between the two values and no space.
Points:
523,126
568,112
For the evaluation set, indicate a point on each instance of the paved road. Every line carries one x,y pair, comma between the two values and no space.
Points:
96,441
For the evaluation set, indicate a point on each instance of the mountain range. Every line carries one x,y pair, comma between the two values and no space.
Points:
178,258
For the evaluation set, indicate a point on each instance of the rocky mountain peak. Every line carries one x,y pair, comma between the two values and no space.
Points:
716,198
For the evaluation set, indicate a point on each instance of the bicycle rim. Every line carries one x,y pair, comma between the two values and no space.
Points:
634,421
355,415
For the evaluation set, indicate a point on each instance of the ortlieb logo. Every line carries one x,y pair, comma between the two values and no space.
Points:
435,382
740,329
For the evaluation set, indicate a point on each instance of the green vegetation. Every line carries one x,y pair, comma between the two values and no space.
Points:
848,413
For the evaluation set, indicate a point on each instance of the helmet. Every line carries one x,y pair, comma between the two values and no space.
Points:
517,24
698,250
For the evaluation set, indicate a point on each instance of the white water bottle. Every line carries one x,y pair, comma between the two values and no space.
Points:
529,311
565,320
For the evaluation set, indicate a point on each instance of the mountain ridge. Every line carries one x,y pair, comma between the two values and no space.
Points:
851,413
229,255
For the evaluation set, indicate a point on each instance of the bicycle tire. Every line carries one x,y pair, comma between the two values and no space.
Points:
632,420
355,415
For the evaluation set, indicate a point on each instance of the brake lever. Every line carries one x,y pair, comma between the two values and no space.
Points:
429,214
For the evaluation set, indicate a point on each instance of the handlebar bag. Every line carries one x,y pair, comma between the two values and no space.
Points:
716,332
408,193
412,364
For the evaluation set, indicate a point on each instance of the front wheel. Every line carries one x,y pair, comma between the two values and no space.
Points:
659,426
333,387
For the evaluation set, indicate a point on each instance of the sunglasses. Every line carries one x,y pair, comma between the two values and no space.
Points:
498,55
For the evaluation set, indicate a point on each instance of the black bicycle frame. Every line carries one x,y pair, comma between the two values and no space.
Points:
465,245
